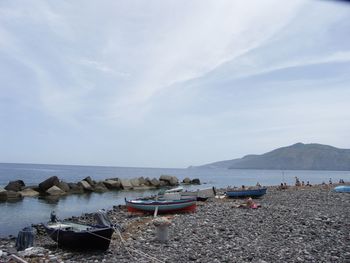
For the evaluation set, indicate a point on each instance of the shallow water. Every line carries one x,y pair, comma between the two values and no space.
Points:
14,216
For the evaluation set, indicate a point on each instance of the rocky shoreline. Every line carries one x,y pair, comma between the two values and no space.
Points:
297,224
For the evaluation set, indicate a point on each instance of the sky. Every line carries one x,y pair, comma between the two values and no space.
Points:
170,83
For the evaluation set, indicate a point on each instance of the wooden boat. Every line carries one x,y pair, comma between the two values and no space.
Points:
240,193
164,206
342,189
199,194
79,236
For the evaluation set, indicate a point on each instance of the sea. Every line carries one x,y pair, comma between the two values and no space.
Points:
33,210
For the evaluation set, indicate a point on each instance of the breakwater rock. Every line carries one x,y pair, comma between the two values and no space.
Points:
54,187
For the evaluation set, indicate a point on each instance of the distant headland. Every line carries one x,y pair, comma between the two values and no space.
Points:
298,156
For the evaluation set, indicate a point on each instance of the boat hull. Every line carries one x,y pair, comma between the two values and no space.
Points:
246,193
96,238
166,206
342,189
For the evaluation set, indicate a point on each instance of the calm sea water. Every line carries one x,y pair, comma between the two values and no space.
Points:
14,216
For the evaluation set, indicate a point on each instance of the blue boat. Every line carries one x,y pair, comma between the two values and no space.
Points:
342,189
240,193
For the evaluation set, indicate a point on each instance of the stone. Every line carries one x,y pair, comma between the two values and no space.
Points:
170,180
126,184
186,180
155,182
75,188
55,191
12,195
64,186
15,186
142,180
196,181
3,194
100,187
48,183
86,186
112,184
89,180
28,192
135,182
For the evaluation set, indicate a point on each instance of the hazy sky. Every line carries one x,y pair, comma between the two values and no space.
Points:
170,83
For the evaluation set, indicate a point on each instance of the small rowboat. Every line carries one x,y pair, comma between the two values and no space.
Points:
342,189
240,193
79,236
164,206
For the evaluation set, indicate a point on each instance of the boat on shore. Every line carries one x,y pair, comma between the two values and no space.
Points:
241,193
199,194
342,189
162,206
80,236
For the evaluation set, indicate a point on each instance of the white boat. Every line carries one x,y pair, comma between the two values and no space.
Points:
199,194
175,190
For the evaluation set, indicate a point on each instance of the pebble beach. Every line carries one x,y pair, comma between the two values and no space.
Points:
298,224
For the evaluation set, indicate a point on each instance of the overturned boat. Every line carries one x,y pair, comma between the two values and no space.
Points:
241,193
80,236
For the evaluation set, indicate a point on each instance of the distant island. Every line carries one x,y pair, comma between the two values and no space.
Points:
298,156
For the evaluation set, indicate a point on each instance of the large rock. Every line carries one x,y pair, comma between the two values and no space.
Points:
3,194
15,186
48,183
86,186
186,180
55,191
100,187
64,186
196,181
126,184
148,181
155,182
29,192
89,180
142,180
171,180
135,182
12,195
112,184
75,188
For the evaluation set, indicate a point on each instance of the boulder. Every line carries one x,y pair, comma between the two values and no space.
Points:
12,195
29,192
64,186
148,181
15,186
142,180
171,180
163,183
135,182
196,181
48,183
3,194
126,184
100,187
89,180
186,180
55,190
75,188
86,186
112,184
155,182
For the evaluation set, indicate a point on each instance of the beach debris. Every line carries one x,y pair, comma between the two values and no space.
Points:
25,238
